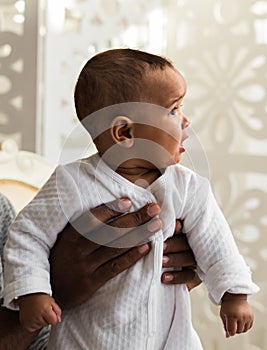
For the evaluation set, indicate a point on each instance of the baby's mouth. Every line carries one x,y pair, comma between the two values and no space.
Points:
182,148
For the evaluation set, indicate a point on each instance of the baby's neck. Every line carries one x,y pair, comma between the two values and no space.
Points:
136,170
142,177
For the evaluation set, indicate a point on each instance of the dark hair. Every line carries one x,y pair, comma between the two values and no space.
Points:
113,77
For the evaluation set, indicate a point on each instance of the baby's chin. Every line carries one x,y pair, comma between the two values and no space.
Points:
170,162
160,163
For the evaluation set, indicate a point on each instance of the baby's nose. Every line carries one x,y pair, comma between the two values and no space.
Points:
186,121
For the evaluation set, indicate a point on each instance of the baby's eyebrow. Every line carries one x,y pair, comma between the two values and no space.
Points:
175,100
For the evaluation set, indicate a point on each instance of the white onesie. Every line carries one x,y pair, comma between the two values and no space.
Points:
133,311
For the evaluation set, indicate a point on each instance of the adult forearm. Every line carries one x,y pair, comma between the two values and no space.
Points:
12,334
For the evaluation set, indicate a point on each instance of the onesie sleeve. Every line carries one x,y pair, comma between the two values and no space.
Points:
219,263
34,232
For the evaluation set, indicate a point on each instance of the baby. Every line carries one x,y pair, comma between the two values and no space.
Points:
131,103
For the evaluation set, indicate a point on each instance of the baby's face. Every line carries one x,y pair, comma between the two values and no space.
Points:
167,128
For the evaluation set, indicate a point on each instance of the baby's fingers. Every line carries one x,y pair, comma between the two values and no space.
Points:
240,327
52,315
57,311
247,326
244,324
230,326
243,327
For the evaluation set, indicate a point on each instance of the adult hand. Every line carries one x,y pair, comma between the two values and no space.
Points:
91,265
79,267
178,254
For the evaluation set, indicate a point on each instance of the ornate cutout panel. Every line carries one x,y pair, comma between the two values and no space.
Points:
18,71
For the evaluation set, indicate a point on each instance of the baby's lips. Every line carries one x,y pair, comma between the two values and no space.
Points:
182,148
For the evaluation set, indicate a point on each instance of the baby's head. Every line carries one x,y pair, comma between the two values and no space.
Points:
119,77
115,76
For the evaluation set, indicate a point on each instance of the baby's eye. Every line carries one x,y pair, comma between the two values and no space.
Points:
174,111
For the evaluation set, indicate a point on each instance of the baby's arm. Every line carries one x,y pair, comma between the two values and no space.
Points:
236,314
38,310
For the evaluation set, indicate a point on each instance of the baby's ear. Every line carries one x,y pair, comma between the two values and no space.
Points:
122,131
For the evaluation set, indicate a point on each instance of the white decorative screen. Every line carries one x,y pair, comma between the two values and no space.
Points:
18,71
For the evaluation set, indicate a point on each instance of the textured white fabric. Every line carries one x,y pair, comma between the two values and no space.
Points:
134,310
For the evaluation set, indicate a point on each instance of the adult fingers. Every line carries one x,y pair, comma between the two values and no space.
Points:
183,259
108,211
138,217
91,220
194,283
178,277
122,262
176,244
96,217
114,233
139,235
104,254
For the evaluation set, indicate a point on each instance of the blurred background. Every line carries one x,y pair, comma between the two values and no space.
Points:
221,48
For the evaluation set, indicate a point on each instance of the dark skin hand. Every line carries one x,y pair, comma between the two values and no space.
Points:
94,265
177,253
80,267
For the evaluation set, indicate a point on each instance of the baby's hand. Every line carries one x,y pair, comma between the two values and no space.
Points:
38,311
236,314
